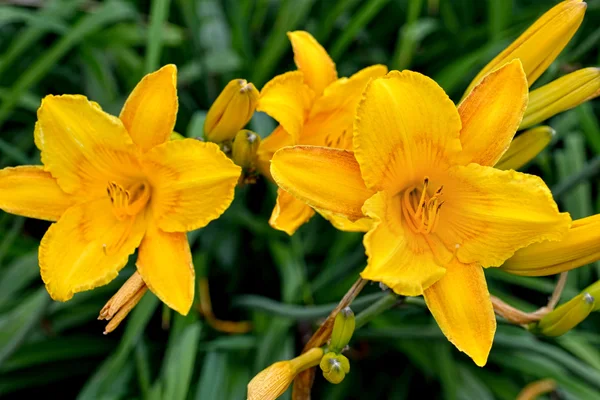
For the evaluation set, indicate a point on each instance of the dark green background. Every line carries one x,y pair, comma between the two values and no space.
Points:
102,48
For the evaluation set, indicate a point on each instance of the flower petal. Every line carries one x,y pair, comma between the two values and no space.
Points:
150,111
491,114
165,263
287,99
490,213
331,118
344,224
312,59
83,147
461,305
405,127
193,183
87,248
324,178
289,213
402,260
32,192
541,43
276,140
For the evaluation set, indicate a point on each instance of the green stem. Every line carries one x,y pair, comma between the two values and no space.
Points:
381,305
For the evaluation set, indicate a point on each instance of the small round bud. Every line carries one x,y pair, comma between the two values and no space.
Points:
334,367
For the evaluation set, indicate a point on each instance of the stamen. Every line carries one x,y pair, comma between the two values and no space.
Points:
421,211
127,203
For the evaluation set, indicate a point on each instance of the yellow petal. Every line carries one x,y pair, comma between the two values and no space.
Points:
461,305
491,114
165,263
332,116
405,127
32,192
287,99
525,147
580,246
541,43
324,178
489,214
312,59
85,148
192,182
344,224
87,248
150,111
289,213
562,94
231,111
397,257
276,140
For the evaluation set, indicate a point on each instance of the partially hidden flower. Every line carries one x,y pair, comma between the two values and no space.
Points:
273,381
579,247
422,169
313,107
112,185
537,48
231,111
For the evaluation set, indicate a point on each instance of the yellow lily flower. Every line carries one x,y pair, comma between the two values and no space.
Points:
421,168
115,184
313,107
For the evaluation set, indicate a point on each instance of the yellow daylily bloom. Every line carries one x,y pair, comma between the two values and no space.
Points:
273,381
561,94
525,147
541,43
115,184
231,111
580,246
312,107
422,169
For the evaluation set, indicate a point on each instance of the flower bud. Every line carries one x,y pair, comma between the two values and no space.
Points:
560,95
594,291
525,147
231,111
343,328
273,381
567,316
245,146
176,136
334,367
541,43
579,247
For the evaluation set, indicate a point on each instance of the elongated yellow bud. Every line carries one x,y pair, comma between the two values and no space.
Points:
343,328
560,95
231,111
541,43
245,146
273,381
567,316
334,367
525,147
580,246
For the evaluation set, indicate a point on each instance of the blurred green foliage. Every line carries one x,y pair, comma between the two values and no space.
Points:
283,284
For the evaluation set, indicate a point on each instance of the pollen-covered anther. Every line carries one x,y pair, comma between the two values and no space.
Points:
127,203
420,209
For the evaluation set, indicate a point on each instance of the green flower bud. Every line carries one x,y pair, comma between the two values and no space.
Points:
334,367
343,328
567,316
244,149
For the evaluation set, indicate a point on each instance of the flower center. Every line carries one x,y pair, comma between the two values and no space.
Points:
421,210
130,202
